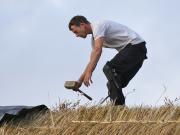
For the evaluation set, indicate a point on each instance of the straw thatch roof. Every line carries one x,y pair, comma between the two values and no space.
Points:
102,120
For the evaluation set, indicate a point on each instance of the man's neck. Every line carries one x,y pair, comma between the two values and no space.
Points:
89,29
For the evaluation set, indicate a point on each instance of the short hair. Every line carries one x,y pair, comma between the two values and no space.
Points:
76,20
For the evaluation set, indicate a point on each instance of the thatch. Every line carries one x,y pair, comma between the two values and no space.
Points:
102,120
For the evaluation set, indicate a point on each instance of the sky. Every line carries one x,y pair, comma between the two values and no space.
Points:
38,53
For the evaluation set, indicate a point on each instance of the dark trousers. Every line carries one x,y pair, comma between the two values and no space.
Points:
125,65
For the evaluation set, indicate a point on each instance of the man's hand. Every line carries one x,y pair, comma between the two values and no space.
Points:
87,79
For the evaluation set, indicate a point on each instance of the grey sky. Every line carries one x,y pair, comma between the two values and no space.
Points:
38,52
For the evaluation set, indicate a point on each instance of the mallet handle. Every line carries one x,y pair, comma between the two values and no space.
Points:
84,94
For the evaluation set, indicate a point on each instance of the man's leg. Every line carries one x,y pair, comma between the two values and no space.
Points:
116,95
113,85
122,68
128,62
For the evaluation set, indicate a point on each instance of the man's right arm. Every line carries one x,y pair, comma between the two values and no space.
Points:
95,55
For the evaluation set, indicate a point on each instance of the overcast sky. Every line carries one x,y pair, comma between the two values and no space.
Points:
38,53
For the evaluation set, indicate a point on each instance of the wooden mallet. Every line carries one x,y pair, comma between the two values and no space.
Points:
74,85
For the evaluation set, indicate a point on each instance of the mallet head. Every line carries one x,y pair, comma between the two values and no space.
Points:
71,85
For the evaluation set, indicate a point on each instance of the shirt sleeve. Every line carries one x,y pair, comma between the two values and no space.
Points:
100,30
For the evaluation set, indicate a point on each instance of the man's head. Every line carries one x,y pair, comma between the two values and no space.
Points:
80,26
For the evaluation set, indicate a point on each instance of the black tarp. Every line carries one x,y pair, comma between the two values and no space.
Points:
18,113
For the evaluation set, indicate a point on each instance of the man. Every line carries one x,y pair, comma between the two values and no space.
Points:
126,63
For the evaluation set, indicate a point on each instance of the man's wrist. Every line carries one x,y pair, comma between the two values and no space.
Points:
80,81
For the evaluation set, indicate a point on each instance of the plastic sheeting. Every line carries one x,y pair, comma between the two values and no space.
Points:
12,113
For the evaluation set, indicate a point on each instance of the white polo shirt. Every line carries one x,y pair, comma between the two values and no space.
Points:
115,35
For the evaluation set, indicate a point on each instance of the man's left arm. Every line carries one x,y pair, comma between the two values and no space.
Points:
94,58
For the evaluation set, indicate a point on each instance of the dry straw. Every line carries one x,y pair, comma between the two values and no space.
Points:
73,119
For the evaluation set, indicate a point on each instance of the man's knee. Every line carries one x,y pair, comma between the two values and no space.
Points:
106,67
111,74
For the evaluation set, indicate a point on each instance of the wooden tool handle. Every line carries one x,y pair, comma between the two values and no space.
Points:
84,94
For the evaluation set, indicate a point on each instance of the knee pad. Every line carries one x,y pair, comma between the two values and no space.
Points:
110,74
112,91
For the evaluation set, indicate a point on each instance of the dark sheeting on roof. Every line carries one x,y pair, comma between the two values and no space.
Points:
19,113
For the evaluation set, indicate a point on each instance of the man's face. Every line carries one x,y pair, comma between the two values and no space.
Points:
79,31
